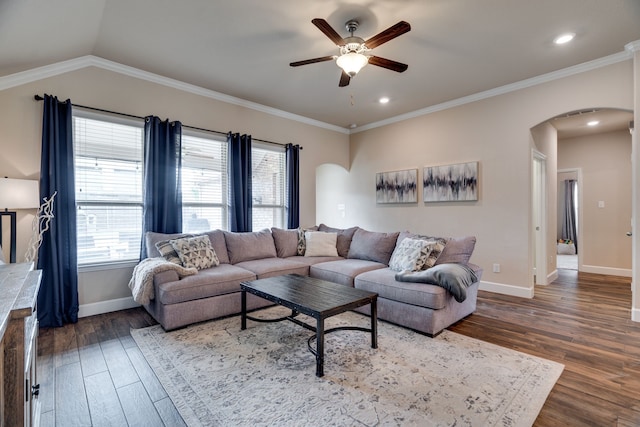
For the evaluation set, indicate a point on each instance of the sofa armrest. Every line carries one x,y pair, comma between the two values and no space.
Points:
476,269
165,277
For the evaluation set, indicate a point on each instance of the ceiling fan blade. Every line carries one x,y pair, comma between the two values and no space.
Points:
344,79
328,30
311,61
389,34
388,64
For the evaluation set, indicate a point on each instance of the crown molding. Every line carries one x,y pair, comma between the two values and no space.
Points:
39,73
633,46
523,84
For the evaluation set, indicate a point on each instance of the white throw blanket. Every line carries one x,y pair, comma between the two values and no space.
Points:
141,283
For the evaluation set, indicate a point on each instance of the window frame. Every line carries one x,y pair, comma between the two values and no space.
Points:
281,150
117,119
223,205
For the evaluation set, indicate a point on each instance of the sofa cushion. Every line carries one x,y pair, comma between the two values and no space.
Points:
220,280
458,250
384,283
249,246
195,252
410,255
344,271
436,250
344,237
320,243
219,245
311,260
372,246
270,267
286,241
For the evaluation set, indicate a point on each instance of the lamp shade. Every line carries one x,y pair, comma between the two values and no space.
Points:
352,62
19,194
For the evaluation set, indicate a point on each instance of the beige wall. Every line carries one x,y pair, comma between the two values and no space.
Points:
20,136
497,133
605,162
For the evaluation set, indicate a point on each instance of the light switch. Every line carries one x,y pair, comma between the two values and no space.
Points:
601,204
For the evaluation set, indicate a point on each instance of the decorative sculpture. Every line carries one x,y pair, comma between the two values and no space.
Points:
39,226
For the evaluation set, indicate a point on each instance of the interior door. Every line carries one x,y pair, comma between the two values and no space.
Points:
539,217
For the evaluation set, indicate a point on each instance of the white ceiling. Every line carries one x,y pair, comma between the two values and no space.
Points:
243,48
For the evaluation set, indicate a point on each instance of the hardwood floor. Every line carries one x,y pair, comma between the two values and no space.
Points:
92,373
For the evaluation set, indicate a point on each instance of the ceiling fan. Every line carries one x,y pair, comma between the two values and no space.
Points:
353,49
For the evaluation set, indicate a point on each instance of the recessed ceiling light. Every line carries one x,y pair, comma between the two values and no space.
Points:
383,100
593,123
564,38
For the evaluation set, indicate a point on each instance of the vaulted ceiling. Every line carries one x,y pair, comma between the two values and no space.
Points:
242,48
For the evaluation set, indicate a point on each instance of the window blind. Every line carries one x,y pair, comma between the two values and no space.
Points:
108,180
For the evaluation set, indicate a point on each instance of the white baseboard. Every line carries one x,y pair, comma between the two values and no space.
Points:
551,277
501,288
106,306
635,314
609,271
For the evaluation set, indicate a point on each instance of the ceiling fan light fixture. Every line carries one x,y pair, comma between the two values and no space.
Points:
352,62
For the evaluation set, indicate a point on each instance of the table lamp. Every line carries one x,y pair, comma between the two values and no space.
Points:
16,194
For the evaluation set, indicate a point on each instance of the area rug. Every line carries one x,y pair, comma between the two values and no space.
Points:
219,375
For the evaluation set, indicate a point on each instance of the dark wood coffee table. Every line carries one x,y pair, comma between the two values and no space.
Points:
316,298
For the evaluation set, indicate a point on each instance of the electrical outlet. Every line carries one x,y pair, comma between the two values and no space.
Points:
496,268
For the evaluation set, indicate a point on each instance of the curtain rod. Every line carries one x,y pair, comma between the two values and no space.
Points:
40,98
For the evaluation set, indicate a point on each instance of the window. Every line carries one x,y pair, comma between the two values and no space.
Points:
268,183
204,182
108,179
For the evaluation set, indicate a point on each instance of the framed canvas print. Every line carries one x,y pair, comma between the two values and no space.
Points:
450,183
397,187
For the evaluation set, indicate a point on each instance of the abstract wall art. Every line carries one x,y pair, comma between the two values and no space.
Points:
397,187
450,183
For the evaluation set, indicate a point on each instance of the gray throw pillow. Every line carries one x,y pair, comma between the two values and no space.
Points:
372,246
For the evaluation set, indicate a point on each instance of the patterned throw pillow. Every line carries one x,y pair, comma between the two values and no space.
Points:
302,242
195,252
166,250
410,255
438,246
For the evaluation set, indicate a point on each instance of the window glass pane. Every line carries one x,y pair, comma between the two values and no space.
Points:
267,217
204,182
197,219
268,183
108,233
108,172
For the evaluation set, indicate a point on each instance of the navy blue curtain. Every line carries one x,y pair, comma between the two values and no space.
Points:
57,256
162,188
240,192
292,153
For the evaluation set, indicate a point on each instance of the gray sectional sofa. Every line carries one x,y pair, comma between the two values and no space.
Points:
360,258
